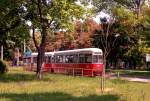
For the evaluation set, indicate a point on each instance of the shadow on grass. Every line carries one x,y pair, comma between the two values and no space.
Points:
119,81
16,77
57,96
141,74
133,73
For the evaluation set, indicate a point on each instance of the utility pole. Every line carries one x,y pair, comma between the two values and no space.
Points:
24,46
17,55
2,52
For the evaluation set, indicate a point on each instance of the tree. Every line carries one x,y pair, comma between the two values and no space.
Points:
129,12
9,15
107,5
146,26
12,28
49,17
113,37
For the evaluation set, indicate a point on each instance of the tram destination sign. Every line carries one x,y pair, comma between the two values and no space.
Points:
147,57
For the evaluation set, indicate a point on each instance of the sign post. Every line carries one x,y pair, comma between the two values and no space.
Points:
17,55
2,52
147,59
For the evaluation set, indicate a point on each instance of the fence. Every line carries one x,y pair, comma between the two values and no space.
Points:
68,71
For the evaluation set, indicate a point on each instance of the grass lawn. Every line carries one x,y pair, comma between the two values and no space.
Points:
19,85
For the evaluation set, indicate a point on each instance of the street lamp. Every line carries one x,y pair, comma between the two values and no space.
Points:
2,52
24,46
18,54
138,4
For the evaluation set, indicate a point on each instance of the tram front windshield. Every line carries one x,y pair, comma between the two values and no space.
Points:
97,59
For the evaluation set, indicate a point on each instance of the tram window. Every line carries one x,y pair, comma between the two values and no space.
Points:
71,59
98,53
81,58
66,59
97,59
53,59
75,58
85,58
59,59
27,60
49,59
101,59
88,58
46,59
34,59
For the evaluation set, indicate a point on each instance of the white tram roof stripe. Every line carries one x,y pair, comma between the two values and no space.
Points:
96,50
34,54
46,53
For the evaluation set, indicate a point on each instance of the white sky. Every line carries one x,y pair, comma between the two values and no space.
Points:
100,15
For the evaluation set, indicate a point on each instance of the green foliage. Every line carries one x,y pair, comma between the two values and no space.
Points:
60,14
104,5
130,45
9,12
18,34
3,67
124,15
108,5
12,27
145,29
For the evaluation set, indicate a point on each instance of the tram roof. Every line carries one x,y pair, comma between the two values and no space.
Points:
94,50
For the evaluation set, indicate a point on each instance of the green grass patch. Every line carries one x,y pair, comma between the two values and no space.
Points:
19,85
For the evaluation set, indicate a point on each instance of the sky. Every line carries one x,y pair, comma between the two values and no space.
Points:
98,16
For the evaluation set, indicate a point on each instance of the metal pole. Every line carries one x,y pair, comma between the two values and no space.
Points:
2,52
18,56
24,46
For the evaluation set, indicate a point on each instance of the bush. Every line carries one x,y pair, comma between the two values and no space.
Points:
3,67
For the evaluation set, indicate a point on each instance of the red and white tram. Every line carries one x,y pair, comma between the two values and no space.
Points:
85,62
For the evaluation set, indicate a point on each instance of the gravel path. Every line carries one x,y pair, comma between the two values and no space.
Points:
130,78
137,79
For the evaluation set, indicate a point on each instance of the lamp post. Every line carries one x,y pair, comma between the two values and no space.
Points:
138,5
2,52
24,46
17,56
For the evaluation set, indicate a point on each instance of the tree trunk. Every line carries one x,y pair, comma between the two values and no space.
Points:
41,49
40,59
103,76
41,53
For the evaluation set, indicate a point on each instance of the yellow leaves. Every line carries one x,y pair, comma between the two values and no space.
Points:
125,16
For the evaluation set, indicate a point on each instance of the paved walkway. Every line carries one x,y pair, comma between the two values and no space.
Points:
137,79
130,78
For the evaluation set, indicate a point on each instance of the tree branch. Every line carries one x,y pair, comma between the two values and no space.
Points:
40,11
34,40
